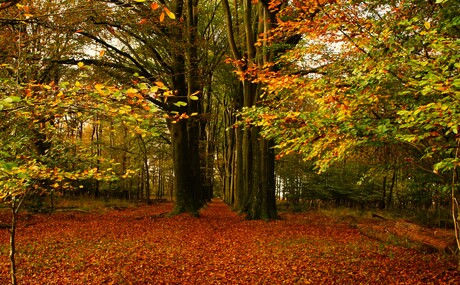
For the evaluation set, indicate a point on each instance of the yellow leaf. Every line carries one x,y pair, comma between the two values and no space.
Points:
131,90
80,64
170,14
100,89
427,25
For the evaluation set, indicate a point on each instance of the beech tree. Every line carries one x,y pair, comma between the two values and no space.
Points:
39,152
251,186
166,47
367,74
24,169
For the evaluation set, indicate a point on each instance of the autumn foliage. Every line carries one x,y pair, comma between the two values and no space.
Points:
142,246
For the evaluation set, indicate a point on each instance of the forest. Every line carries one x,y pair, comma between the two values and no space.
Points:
246,120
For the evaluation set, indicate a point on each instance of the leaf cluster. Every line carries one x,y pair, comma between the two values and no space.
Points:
366,75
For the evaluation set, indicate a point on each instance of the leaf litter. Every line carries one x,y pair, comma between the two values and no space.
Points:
142,246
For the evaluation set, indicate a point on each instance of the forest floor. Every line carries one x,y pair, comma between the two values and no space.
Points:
141,246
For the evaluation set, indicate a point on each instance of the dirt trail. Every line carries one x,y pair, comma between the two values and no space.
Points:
140,246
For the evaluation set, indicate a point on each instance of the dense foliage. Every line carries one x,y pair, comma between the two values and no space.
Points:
373,82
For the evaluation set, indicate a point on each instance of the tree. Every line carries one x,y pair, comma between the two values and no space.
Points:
253,186
167,47
374,73
24,169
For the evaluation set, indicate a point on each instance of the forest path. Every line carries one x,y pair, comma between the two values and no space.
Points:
139,246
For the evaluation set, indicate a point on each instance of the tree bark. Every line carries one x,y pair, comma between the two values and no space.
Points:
255,179
12,231
187,176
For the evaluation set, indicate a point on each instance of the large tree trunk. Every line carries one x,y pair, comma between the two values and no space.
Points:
187,176
254,185
170,51
185,132
260,194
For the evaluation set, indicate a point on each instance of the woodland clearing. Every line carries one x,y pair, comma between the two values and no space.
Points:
142,246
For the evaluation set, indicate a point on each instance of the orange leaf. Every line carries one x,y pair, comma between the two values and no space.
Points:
162,16
154,6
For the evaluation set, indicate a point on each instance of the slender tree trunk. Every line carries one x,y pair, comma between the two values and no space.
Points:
384,194
229,167
160,189
390,194
12,231
146,169
96,138
15,206
455,209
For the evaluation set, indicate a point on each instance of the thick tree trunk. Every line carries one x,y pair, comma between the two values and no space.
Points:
255,179
187,176
261,201
185,132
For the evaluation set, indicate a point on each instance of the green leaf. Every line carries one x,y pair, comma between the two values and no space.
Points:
22,175
15,99
180,104
193,97
143,86
456,82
